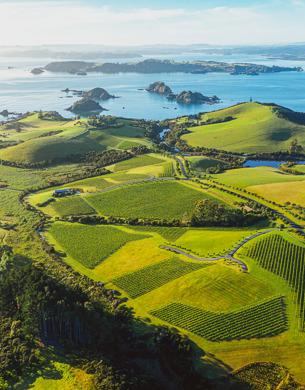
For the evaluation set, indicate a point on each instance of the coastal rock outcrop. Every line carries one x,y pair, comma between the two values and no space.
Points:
86,105
159,88
37,71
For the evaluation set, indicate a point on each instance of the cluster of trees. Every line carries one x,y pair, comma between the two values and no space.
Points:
54,305
104,122
207,212
107,157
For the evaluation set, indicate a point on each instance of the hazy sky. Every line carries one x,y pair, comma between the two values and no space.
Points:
136,22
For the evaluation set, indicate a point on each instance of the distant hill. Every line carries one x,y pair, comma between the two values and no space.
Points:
167,66
255,128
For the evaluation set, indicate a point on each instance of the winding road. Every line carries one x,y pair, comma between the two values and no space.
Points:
228,256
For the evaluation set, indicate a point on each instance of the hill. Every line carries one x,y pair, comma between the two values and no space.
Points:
252,128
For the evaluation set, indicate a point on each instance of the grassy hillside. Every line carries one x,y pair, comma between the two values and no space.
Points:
255,128
48,148
245,177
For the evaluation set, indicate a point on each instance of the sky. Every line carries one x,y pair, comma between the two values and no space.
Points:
140,22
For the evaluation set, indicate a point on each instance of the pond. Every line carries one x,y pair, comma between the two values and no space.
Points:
267,163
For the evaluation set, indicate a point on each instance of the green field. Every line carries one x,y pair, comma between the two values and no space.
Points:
254,129
158,200
168,233
72,205
282,192
200,164
90,245
149,278
245,177
210,243
262,320
138,161
48,148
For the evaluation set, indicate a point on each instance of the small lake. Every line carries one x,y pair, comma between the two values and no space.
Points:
267,163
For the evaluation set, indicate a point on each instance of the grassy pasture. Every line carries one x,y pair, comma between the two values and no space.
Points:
255,128
210,243
138,161
246,177
90,245
258,321
147,279
282,192
159,200
168,233
72,205
47,148
200,164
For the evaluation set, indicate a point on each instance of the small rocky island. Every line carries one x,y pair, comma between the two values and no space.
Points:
189,97
85,105
95,93
37,71
184,97
159,88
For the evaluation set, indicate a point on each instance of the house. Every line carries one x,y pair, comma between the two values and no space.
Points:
64,192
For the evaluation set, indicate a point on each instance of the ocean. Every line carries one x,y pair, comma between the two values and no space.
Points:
21,91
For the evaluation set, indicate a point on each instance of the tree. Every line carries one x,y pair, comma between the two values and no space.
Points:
294,147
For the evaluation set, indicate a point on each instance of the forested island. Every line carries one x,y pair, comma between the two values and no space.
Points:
166,66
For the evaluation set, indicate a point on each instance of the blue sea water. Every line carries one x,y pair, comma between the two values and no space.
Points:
22,91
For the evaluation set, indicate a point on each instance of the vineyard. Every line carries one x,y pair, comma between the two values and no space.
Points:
149,278
72,205
90,245
154,199
285,259
265,319
168,170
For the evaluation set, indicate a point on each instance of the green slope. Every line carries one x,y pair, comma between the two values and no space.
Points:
255,128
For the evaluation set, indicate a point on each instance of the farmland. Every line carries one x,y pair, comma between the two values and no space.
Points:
285,259
200,164
102,241
282,192
231,317
74,205
246,177
262,320
149,278
139,161
159,200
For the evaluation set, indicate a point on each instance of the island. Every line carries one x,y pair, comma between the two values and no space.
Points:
85,105
189,97
37,71
184,97
166,66
159,88
95,93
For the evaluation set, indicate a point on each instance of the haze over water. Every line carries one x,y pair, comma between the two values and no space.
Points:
21,91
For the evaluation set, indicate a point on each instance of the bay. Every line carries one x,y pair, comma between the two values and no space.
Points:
22,91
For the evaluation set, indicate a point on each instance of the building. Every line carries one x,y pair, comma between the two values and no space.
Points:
64,192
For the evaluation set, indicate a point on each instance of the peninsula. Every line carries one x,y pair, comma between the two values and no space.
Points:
166,66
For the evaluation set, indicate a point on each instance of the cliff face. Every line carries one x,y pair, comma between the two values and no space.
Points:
160,88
